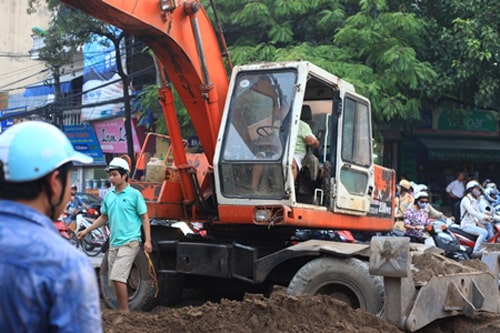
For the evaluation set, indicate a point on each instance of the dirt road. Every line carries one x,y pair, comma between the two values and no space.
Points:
282,313
278,314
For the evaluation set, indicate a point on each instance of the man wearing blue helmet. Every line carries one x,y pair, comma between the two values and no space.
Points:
47,284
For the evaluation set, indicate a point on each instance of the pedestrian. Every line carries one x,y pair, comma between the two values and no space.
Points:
455,191
416,218
471,218
124,209
46,284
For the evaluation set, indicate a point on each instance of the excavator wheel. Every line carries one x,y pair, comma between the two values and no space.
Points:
347,280
141,286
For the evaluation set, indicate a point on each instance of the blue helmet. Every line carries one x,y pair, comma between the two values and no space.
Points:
33,149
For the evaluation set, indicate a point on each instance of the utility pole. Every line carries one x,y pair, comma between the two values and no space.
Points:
126,95
57,110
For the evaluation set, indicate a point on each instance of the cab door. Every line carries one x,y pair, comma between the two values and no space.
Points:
354,181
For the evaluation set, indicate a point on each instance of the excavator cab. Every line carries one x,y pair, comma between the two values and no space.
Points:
258,134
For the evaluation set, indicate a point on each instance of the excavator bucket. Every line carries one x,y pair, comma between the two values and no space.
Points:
412,304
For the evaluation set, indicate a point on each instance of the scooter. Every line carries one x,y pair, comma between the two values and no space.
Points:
62,228
94,242
469,240
443,238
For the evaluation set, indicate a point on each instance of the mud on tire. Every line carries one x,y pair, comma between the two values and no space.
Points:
345,279
140,285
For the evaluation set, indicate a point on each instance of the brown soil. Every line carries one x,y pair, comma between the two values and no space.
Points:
282,313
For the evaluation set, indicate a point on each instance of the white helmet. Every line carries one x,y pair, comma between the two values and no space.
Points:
118,163
420,187
491,185
490,194
472,184
421,194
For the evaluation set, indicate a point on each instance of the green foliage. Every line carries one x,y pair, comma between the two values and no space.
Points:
402,54
147,101
464,47
370,43
69,29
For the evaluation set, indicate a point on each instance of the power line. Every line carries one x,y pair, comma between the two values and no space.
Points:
13,55
122,48
63,106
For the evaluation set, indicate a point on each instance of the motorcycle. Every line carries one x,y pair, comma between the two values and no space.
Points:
469,240
62,228
441,236
94,242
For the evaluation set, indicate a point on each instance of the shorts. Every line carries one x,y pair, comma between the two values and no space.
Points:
120,260
298,159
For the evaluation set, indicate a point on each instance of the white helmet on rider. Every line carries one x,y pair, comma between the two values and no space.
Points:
421,194
491,185
420,187
490,194
470,185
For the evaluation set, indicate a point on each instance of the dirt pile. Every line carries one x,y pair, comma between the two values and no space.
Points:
427,265
279,313
283,313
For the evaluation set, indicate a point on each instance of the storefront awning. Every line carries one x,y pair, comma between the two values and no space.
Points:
462,150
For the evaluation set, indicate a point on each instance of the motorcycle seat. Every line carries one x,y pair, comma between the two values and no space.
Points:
463,233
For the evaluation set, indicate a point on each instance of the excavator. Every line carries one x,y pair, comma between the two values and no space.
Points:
227,219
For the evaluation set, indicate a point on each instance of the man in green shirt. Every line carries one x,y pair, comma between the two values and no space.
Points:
125,210
305,137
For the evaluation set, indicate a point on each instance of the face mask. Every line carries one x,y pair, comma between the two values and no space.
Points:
422,205
476,192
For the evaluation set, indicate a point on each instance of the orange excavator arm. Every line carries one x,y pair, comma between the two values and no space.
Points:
199,77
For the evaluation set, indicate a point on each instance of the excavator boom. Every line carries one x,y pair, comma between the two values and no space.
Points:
171,34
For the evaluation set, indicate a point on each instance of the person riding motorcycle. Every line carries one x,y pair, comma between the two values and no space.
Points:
472,220
416,218
486,205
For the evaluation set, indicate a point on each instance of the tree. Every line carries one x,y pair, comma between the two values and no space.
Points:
371,43
464,48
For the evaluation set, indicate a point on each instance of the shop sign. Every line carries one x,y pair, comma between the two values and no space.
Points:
112,137
471,122
84,140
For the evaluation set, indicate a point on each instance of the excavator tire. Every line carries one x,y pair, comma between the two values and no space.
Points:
141,286
347,280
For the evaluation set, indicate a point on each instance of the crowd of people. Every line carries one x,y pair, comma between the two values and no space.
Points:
473,206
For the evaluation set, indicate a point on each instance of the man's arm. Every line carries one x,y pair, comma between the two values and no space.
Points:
312,141
101,220
147,233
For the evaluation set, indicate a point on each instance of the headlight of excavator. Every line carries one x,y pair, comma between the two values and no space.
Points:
262,215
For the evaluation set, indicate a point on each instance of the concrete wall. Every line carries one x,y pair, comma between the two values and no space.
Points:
16,68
